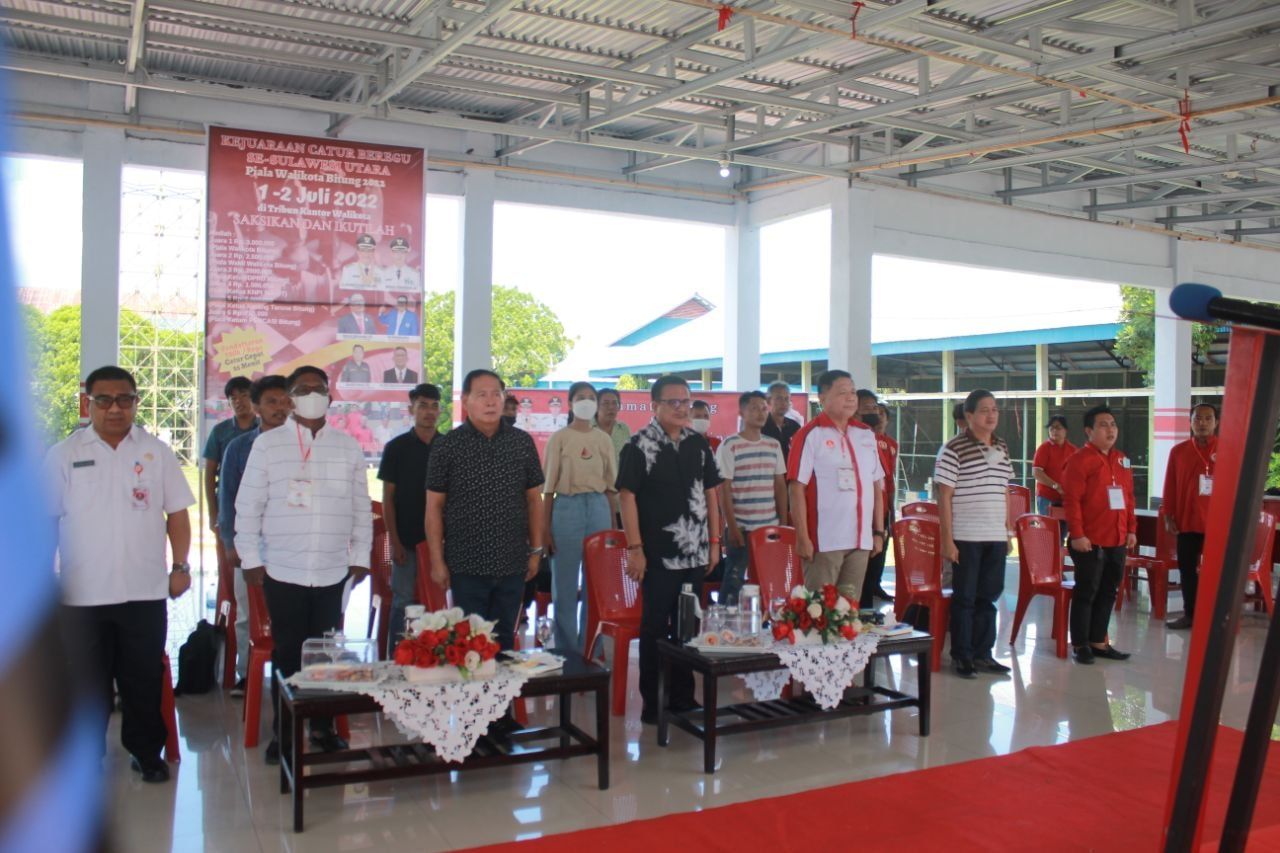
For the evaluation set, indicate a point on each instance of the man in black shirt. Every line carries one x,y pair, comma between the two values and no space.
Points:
667,477
484,508
779,427
403,473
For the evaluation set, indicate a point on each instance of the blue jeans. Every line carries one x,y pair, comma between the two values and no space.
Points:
977,582
573,518
735,569
498,599
404,591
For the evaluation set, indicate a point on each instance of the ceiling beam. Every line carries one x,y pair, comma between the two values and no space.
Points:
1153,176
1261,191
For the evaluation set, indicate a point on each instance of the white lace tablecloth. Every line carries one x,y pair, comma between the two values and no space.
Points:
450,717
825,670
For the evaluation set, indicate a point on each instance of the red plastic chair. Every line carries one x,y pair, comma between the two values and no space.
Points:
168,709
1019,503
928,509
1154,570
1040,573
225,614
915,509
773,562
918,554
615,604
380,582
260,648
430,594
1260,561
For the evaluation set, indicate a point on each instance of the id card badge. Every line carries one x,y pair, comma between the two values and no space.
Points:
141,498
1115,497
845,480
299,494
1206,484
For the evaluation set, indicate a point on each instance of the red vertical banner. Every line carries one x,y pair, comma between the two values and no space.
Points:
315,251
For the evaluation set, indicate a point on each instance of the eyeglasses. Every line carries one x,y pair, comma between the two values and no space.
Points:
678,402
124,401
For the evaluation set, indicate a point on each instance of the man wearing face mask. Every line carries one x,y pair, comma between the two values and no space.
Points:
304,526
510,406
271,403
580,471
700,422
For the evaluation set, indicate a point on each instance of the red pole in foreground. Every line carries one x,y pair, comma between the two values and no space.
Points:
1250,409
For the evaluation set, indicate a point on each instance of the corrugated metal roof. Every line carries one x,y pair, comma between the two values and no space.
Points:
526,56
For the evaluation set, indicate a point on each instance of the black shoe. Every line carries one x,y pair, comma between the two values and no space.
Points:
1110,653
882,595
684,707
1083,654
153,771
237,691
1179,624
649,718
964,668
504,725
990,665
272,754
328,741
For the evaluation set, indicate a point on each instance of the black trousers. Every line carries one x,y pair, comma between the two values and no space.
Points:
124,643
872,581
660,593
1190,547
1098,574
299,613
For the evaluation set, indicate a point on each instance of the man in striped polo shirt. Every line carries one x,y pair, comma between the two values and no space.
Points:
837,504
972,474
751,464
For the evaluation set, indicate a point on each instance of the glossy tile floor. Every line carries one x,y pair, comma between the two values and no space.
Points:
224,798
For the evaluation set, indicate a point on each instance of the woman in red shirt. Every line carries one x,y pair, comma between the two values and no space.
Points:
1048,463
1098,498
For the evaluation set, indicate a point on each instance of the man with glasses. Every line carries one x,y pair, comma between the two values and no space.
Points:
667,479
781,426
972,475
271,402
837,503
304,527
117,494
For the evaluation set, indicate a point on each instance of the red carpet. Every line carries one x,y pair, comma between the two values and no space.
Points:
1101,793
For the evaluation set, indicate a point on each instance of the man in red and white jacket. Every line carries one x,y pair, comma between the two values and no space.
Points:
1188,483
888,449
837,504
1097,494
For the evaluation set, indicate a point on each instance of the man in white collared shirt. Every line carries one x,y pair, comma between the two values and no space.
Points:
304,525
117,494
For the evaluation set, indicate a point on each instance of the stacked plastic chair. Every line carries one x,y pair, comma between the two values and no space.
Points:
917,552
1040,573
615,605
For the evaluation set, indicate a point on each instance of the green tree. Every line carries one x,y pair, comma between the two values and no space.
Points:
528,339
1136,340
1273,472
631,382
53,345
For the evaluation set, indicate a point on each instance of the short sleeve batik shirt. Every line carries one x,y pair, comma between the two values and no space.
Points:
670,481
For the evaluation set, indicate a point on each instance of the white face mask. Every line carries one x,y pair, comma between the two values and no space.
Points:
701,425
311,406
584,409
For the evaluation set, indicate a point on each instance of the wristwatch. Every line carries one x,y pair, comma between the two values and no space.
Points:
879,533
183,567
636,547
537,552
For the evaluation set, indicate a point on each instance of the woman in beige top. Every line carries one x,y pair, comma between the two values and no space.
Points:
580,471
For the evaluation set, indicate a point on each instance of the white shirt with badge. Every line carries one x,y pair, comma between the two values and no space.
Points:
303,507
111,506
845,469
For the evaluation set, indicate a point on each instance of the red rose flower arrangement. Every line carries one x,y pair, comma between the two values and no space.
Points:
810,616
447,638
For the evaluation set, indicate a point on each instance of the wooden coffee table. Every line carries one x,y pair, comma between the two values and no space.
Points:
709,722
398,761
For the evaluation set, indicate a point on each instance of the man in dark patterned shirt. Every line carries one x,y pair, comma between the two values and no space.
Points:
484,508
667,477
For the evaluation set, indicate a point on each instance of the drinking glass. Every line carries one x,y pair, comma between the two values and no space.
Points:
544,631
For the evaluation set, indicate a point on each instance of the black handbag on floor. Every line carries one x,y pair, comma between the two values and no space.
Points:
198,660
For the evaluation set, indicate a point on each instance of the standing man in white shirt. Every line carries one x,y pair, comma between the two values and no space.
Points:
304,525
117,494
837,503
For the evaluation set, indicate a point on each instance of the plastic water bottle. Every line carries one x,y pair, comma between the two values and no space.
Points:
750,604
687,614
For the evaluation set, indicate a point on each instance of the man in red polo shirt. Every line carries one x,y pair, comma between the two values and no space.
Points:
1188,482
837,505
1098,497
888,450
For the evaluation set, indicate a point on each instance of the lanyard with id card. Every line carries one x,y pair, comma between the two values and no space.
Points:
140,493
299,494
847,477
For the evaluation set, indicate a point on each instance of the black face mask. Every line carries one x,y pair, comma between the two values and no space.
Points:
872,421
509,420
